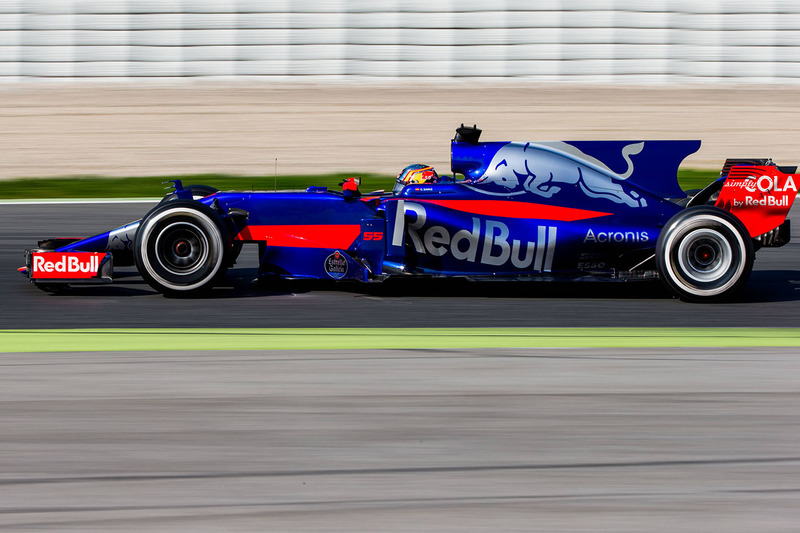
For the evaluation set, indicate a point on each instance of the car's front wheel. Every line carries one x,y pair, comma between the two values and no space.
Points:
182,248
704,254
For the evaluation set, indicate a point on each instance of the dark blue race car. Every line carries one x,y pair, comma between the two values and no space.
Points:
528,211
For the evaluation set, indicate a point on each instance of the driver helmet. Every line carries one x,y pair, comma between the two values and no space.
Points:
417,173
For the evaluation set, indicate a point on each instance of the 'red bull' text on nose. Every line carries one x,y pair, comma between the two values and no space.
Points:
65,265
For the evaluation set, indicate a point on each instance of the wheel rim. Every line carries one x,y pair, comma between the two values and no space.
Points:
181,248
705,255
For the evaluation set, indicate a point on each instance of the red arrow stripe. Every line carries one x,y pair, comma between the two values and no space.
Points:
514,209
303,235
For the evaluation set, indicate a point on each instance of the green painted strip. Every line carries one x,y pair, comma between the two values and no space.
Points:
69,340
68,201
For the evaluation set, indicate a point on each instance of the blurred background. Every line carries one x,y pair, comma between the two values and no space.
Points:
153,87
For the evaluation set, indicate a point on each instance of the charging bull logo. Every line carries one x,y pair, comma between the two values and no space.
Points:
544,173
122,238
487,242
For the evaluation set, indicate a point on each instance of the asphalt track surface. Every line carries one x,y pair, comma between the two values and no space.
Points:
402,440
771,297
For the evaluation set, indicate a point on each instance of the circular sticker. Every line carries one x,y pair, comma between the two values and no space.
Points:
336,265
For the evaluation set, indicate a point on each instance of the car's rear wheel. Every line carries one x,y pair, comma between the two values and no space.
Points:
704,254
182,248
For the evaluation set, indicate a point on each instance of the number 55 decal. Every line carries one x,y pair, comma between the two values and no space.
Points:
373,235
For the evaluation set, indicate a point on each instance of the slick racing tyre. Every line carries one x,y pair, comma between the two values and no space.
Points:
704,254
182,247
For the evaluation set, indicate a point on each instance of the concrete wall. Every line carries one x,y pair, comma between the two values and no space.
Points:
626,41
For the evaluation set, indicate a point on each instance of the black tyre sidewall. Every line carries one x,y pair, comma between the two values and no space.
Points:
186,215
690,224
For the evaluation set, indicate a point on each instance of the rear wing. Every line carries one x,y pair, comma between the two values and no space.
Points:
759,193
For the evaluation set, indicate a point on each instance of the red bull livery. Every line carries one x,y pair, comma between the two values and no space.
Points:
566,210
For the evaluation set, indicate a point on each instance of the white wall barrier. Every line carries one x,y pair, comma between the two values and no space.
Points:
626,41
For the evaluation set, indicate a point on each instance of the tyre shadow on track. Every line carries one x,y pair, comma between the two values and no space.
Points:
772,286
763,286
421,287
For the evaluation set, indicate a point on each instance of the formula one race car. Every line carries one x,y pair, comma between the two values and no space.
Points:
524,211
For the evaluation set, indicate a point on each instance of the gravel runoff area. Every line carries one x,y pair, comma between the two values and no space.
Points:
156,129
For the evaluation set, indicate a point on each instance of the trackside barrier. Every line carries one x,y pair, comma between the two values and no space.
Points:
625,41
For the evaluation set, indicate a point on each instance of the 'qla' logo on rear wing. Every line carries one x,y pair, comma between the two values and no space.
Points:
759,196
